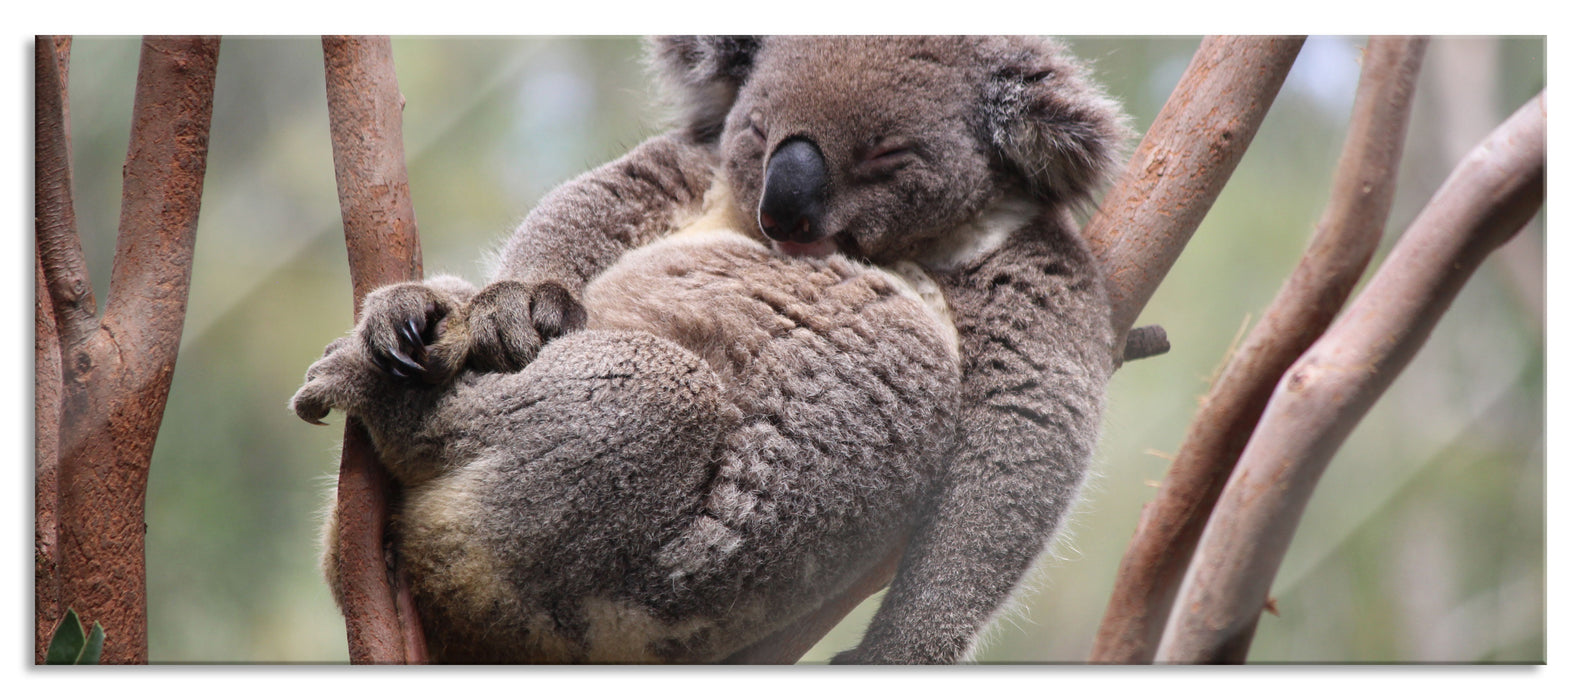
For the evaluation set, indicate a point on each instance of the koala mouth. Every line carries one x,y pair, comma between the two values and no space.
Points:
817,249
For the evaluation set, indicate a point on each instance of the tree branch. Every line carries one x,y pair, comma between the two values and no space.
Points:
162,188
116,374
382,246
1182,164
1486,199
54,220
46,458
54,215
1348,232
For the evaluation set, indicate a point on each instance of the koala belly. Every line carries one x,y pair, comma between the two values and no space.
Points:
733,439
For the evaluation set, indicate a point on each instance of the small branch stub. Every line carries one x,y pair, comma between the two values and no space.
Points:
1182,164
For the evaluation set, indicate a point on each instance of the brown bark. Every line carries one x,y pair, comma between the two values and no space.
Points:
1485,201
46,496
53,208
382,246
1182,164
116,371
1347,235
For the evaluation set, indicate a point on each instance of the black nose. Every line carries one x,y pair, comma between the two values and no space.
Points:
792,208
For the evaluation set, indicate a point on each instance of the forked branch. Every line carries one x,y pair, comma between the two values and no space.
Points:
115,372
1348,232
1486,200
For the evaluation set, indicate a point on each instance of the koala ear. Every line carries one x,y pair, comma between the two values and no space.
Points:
702,75
1052,124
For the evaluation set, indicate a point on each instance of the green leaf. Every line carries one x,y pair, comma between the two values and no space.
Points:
90,651
65,645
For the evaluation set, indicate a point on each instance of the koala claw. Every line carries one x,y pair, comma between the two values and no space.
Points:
399,362
400,321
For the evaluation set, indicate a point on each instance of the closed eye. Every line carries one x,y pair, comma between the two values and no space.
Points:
754,125
886,158
889,154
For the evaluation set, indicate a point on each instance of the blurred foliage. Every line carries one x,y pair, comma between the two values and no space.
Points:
1424,542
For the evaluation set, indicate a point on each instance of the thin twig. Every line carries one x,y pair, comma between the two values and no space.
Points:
382,246
1348,232
1486,199
1182,164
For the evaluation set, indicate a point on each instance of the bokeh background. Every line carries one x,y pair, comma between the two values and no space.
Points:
1424,541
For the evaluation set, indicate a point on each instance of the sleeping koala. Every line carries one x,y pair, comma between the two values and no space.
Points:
733,428
643,445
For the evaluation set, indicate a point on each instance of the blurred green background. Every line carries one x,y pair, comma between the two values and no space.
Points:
1424,541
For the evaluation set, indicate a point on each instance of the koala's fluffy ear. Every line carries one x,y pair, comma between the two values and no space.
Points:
703,74
1052,124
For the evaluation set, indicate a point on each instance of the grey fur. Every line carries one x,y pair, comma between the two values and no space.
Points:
730,436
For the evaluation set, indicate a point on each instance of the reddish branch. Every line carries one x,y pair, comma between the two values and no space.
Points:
53,211
115,371
1182,164
382,245
1485,201
1347,235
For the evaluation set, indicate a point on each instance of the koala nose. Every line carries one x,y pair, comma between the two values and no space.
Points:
795,182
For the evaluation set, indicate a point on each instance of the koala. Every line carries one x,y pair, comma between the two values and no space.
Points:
842,307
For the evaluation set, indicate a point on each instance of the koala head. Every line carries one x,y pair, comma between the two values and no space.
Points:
878,146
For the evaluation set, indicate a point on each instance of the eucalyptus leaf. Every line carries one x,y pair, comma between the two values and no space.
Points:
95,645
66,645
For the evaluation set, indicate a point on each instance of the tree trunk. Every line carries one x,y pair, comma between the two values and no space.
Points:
115,371
382,247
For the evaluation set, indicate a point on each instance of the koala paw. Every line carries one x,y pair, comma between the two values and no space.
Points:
508,321
402,328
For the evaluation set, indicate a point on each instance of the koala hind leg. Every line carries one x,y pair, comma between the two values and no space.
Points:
566,477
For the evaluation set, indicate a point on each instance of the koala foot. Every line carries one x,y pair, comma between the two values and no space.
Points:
331,383
509,321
